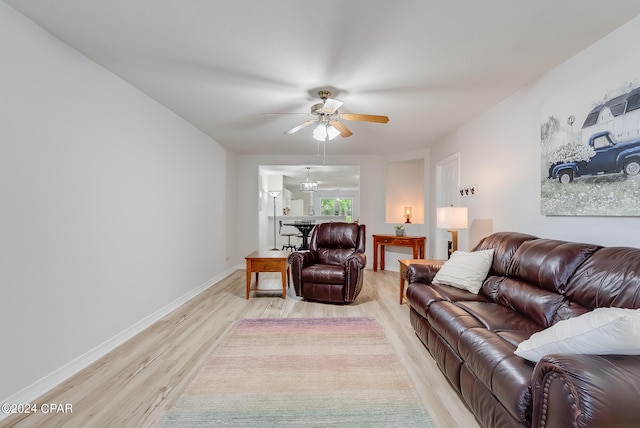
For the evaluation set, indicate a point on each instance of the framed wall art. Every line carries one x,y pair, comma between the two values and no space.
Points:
590,153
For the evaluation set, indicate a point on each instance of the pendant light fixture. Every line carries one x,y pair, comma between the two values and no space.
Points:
308,185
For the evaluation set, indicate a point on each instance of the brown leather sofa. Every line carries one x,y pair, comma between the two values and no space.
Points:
332,270
532,284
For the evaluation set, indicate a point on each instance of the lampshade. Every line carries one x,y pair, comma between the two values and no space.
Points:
323,131
452,218
332,131
274,193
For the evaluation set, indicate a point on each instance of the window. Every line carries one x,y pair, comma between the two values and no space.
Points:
618,109
633,102
601,142
592,119
337,207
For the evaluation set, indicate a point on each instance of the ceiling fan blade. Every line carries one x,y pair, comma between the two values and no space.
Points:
330,106
365,117
344,131
299,127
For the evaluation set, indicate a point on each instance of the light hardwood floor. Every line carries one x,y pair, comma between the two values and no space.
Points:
134,385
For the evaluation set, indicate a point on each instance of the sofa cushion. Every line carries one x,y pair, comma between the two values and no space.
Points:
465,270
324,274
450,321
611,277
454,294
535,303
496,317
548,263
333,243
491,360
487,409
514,337
600,332
421,296
505,245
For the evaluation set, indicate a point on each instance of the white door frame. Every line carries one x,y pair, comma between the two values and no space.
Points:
446,194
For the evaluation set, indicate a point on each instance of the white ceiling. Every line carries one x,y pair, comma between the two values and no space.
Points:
430,65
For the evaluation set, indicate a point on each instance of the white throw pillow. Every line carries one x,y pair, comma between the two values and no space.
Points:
465,270
599,332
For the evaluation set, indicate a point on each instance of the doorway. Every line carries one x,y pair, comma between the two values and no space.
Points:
446,186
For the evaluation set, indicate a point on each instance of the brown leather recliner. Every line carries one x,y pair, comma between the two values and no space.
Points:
332,270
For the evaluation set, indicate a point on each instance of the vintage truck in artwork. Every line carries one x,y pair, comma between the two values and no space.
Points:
611,156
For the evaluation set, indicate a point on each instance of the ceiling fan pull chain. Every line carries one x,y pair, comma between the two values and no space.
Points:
324,151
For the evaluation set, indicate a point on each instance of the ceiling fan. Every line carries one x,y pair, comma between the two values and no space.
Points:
328,119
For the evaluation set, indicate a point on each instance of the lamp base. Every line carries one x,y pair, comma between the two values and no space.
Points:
408,221
453,244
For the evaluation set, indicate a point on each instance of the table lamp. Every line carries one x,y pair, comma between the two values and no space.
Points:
452,218
407,214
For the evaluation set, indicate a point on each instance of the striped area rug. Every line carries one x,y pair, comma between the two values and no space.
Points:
301,372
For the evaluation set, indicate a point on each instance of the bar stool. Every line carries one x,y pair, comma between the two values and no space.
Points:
288,235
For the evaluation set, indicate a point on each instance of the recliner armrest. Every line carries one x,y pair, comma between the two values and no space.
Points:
359,259
302,258
586,391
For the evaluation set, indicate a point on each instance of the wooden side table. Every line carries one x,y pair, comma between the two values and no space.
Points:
404,264
415,242
268,261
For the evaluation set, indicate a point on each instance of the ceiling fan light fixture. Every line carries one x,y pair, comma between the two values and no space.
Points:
328,121
332,132
322,132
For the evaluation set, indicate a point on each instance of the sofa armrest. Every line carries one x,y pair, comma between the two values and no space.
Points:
572,390
421,273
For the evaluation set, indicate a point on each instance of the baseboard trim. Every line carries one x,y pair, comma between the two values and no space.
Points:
40,387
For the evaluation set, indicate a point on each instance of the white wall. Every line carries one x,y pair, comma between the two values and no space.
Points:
405,188
110,206
500,150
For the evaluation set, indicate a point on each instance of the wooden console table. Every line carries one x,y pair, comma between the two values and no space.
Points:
415,242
